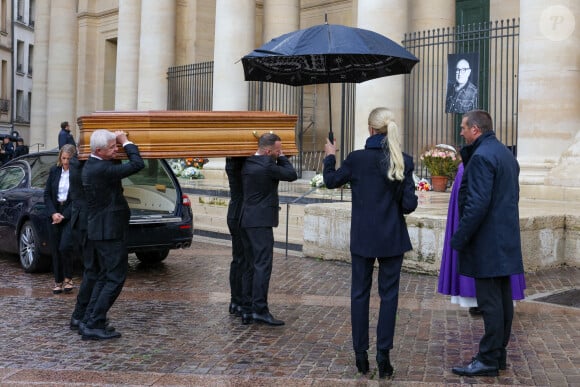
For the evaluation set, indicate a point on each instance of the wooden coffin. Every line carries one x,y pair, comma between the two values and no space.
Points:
181,134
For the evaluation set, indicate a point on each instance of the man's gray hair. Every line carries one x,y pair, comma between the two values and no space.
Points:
100,139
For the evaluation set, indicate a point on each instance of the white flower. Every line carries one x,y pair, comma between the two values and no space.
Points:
176,166
317,181
190,172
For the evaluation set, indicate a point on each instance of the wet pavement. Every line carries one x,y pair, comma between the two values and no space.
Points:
177,330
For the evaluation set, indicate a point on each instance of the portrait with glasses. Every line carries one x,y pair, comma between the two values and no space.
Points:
462,90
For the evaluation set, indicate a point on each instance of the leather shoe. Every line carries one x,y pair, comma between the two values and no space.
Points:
362,362
267,318
233,308
108,328
476,368
384,364
74,323
247,318
99,334
475,311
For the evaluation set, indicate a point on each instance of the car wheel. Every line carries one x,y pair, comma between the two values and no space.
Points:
152,256
29,250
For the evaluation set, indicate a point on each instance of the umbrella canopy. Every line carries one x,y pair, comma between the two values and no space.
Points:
327,53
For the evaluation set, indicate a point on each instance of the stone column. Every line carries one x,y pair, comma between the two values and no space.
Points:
62,69
38,124
280,17
549,93
185,32
431,15
389,18
127,78
233,40
156,53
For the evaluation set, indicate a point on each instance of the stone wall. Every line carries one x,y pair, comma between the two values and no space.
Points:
548,240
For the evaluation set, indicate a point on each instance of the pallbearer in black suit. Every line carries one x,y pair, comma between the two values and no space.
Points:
238,266
108,220
58,209
381,177
260,176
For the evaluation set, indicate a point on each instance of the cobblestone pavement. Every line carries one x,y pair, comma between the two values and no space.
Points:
177,331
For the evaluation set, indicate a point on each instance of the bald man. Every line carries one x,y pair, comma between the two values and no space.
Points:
462,94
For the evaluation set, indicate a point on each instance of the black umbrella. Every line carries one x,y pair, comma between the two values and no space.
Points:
327,53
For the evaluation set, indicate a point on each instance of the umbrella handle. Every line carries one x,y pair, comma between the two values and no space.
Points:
331,137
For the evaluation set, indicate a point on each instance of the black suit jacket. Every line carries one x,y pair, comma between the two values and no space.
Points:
260,178
108,211
51,194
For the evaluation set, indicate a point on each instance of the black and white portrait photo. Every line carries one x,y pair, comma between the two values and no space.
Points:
462,71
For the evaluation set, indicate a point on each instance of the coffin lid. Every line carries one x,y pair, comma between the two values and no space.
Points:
180,134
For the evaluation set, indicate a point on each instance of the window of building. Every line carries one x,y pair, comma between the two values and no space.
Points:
29,106
30,58
20,11
19,105
20,56
31,11
3,14
4,80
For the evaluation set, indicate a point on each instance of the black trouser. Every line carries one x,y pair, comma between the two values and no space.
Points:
257,277
62,255
91,271
113,259
239,263
388,284
494,299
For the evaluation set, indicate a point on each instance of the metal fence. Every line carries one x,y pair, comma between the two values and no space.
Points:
496,44
190,87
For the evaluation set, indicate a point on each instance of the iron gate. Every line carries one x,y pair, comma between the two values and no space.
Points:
497,47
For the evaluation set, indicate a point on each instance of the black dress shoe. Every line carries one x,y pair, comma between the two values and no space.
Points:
475,311
384,364
267,318
233,308
476,368
247,318
362,362
82,326
74,323
99,334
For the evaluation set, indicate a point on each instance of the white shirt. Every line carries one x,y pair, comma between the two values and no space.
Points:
63,185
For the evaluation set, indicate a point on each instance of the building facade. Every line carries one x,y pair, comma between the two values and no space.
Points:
94,55
5,66
22,57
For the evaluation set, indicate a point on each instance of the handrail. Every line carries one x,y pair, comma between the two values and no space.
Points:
288,212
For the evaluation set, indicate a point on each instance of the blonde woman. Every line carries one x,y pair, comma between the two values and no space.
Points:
58,207
381,178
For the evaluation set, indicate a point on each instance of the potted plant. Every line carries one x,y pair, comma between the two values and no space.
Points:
442,162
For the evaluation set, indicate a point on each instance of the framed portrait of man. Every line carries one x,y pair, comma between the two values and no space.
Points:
462,77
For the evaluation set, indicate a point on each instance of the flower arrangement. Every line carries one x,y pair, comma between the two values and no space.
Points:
423,185
189,168
441,160
317,181
196,162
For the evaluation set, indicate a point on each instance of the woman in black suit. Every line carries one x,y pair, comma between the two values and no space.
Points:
58,208
381,177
